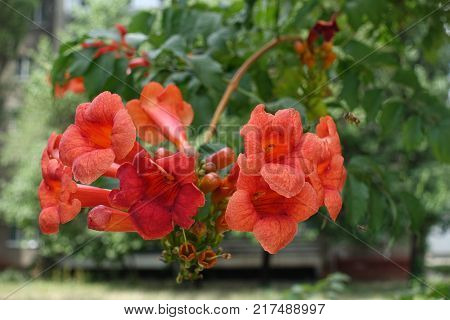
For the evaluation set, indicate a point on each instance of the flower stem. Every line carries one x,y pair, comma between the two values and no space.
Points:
92,196
234,82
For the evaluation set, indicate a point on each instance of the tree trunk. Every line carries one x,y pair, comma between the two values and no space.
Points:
417,254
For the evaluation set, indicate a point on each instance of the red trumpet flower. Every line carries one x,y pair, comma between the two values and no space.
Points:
60,197
103,218
103,133
324,165
161,112
139,62
222,158
326,29
270,143
75,85
158,193
330,168
273,218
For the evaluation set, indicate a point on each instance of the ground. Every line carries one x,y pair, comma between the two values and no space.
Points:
50,289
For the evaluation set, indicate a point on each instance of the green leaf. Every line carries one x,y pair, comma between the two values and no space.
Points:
412,133
357,49
372,103
416,211
439,141
377,209
98,73
391,116
217,41
118,80
263,83
175,44
208,71
142,22
350,89
356,200
203,108
287,84
209,148
135,39
407,77
81,62
59,68
303,18
104,33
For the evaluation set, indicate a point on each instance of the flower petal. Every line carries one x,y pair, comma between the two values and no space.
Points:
152,220
180,165
283,179
102,109
290,122
240,214
304,204
251,165
73,144
333,202
189,199
274,232
123,135
311,147
102,218
131,187
89,166
49,220
68,211
253,131
332,177
146,128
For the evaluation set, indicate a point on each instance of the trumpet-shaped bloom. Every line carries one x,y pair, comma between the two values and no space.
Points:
159,193
103,133
161,113
104,218
270,142
326,29
75,85
324,165
273,218
207,259
60,197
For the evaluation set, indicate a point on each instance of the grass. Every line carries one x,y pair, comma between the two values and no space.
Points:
78,287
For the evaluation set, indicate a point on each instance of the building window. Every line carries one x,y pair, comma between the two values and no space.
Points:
16,240
43,14
23,67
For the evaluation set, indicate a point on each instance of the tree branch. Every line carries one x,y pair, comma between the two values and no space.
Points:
234,82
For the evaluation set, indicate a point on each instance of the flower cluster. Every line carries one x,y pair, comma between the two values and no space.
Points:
285,176
116,45
120,48
309,50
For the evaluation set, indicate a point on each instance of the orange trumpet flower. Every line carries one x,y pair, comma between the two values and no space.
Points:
161,113
103,134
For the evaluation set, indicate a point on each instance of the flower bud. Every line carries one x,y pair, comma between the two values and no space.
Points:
199,229
187,251
299,47
207,259
222,158
226,256
221,224
210,182
209,167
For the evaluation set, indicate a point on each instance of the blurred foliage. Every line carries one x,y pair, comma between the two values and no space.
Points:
14,26
330,287
391,73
